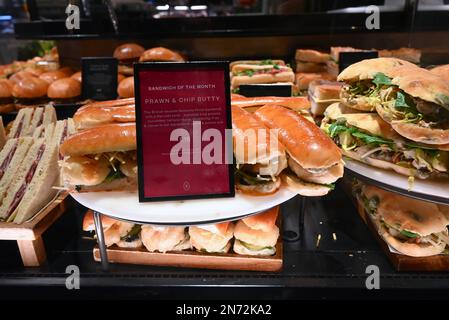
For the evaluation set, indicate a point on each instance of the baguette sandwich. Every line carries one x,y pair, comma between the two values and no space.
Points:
260,72
101,159
91,116
259,157
314,161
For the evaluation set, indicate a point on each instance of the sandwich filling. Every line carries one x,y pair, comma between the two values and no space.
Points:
7,159
395,104
421,161
264,67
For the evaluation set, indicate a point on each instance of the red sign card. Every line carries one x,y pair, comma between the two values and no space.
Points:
183,112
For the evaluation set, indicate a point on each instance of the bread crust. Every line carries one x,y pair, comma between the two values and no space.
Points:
263,221
106,138
128,51
31,87
256,237
294,103
161,54
64,88
89,117
285,76
309,55
126,88
305,142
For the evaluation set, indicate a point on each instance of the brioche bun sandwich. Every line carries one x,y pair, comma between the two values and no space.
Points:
259,156
126,88
212,238
413,100
18,76
160,54
101,159
66,90
127,54
412,227
52,76
163,239
6,98
90,116
314,161
30,91
121,233
260,72
367,138
257,234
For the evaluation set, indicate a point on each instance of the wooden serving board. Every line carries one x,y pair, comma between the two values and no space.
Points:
194,259
29,234
405,263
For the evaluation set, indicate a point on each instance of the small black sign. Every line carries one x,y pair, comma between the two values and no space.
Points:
265,90
348,58
99,78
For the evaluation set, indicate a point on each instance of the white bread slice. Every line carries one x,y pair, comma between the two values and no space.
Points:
40,190
36,121
19,178
49,114
16,150
2,134
43,131
21,123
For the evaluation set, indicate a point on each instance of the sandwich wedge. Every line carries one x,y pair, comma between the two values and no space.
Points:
101,159
258,155
413,100
412,227
366,137
28,119
32,186
314,161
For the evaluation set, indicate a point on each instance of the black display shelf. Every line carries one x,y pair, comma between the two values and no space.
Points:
334,269
228,26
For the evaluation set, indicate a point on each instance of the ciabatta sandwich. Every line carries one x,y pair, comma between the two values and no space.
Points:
314,160
101,159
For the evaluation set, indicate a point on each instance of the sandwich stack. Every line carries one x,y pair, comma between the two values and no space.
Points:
322,93
310,66
392,115
28,120
248,244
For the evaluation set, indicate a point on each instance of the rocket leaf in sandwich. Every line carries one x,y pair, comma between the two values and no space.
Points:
381,79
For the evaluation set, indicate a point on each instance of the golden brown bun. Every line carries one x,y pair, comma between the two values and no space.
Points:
110,103
34,71
128,51
16,77
303,80
221,229
126,88
107,138
52,76
6,108
89,224
120,77
327,176
305,142
294,103
64,88
309,55
91,116
367,69
263,221
31,87
256,237
77,76
5,88
442,71
162,239
160,54
242,123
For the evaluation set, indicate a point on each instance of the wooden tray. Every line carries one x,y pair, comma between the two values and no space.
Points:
194,259
402,262
29,234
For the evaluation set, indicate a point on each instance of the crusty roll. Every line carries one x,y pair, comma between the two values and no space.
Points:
263,221
283,76
305,142
91,116
294,103
126,88
160,54
309,55
107,138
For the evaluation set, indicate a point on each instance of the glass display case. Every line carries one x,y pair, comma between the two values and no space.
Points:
327,246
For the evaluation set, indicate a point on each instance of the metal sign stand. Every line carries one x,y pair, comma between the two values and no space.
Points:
101,242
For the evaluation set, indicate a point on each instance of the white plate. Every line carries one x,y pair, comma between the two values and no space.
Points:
430,190
126,206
